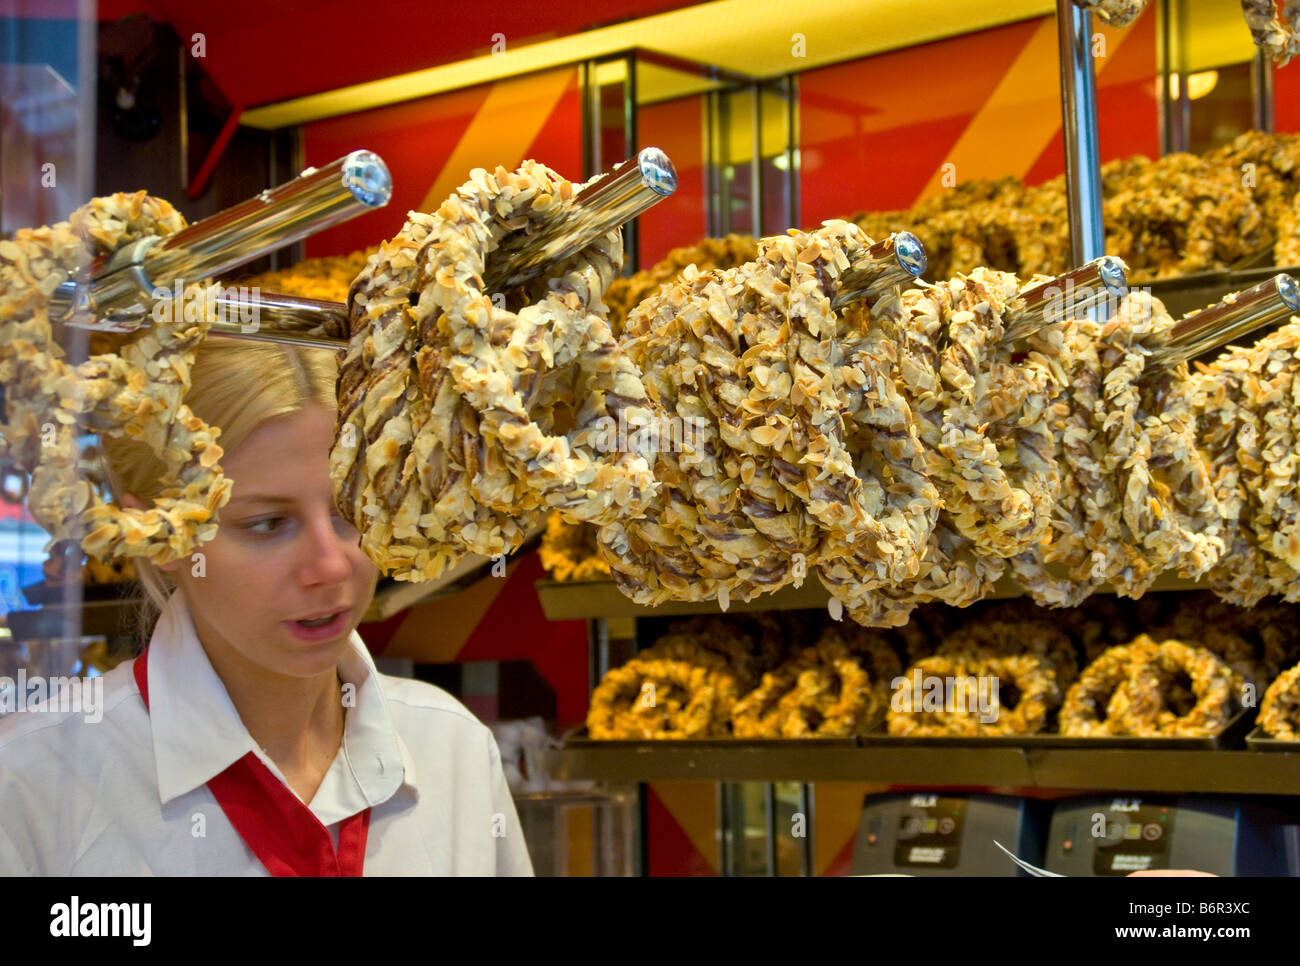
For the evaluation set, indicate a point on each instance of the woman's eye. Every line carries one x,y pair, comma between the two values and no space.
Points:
264,525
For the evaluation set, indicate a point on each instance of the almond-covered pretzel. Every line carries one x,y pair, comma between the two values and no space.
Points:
1116,694
1248,409
510,406
983,415
658,698
1139,684
1137,496
1280,39
978,418
820,692
1279,712
136,393
707,534
751,360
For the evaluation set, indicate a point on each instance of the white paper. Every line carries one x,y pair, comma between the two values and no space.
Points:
1031,869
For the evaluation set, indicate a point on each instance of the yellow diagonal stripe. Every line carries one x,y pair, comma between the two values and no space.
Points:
502,131
1009,133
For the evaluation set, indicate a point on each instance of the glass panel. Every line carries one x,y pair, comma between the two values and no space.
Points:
671,115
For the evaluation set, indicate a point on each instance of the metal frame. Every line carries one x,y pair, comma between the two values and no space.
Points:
1079,127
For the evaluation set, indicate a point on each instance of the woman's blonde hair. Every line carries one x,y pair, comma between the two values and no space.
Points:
235,385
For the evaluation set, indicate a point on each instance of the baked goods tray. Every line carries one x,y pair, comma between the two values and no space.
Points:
1229,737
1258,740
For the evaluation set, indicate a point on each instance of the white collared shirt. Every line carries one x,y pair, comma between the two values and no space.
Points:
128,795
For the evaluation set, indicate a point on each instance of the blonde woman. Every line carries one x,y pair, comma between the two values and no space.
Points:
255,736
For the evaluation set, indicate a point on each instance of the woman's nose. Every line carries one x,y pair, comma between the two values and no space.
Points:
325,552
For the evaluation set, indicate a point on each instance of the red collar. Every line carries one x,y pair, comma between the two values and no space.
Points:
277,827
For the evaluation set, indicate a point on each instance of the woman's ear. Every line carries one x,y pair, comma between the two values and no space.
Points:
132,502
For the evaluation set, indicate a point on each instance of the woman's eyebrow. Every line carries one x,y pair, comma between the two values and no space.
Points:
261,498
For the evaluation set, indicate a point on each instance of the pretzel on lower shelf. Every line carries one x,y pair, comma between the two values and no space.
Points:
820,692
1135,690
662,699
1279,712
569,551
975,693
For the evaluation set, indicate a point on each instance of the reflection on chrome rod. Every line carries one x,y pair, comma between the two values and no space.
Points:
1238,314
1102,281
122,286
899,258
120,296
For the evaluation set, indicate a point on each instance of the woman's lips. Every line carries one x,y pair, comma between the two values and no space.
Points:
325,632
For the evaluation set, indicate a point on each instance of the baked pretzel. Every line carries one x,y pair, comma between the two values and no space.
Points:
462,451
984,418
1280,39
661,699
137,393
1144,699
988,638
569,552
821,691
749,358
1115,694
1027,692
1137,497
1279,712
1248,410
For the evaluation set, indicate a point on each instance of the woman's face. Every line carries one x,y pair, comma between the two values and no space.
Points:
282,554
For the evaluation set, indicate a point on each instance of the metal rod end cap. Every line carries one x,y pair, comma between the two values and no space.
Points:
657,171
367,177
1289,290
1113,274
910,253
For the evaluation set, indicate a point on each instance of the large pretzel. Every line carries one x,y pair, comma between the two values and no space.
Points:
463,450
136,393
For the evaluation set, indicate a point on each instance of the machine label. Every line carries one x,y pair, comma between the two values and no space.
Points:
1137,836
929,832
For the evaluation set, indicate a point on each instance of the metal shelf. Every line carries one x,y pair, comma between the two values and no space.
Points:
1139,770
595,599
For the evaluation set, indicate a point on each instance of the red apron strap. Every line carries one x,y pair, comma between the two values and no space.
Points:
284,834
